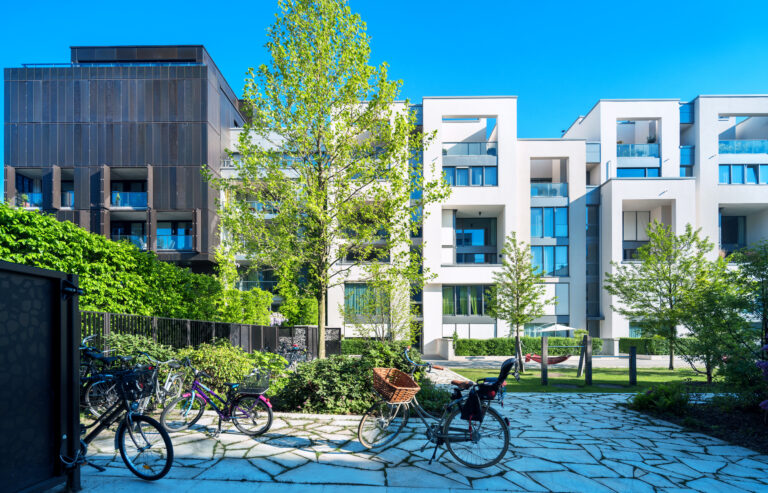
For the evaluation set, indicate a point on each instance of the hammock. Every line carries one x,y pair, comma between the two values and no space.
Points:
552,360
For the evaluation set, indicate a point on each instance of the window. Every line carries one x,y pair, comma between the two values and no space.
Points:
636,225
635,330
751,174
492,179
462,177
725,174
361,299
743,174
686,171
476,176
465,300
476,241
174,235
733,233
550,260
763,174
737,174
562,302
637,172
450,175
549,222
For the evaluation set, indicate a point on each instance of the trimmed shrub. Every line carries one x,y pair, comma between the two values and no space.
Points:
505,346
664,398
651,345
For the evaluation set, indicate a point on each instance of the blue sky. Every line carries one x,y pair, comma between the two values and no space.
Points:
558,57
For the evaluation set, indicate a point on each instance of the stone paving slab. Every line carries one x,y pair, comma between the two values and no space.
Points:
560,442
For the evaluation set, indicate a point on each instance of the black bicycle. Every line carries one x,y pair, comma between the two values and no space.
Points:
144,445
96,394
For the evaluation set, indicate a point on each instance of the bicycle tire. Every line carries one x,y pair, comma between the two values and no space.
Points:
99,396
182,413
492,420
247,409
379,425
146,435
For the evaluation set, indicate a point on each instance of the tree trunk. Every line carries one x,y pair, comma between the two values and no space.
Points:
671,354
321,325
519,350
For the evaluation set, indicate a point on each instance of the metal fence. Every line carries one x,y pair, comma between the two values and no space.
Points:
179,333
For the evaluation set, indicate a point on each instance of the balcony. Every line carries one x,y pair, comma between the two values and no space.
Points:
30,200
755,146
68,199
132,200
686,113
175,242
593,152
549,190
139,240
470,153
687,155
637,150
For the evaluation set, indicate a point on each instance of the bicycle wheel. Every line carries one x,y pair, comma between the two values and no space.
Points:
251,415
182,412
382,423
485,446
99,396
175,387
145,447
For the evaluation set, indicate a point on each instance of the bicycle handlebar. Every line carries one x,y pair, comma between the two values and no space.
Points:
416,365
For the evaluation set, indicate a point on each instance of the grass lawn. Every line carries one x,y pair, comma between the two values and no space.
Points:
603,379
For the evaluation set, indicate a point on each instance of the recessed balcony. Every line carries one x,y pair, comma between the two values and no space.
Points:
174,242
30,200
470,153
139,240
549,190
131,200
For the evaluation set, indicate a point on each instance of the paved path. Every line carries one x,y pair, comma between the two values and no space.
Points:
494,362
561,442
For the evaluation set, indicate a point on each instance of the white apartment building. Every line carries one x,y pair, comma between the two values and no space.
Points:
581,201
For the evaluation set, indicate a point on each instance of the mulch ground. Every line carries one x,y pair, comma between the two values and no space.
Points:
746,428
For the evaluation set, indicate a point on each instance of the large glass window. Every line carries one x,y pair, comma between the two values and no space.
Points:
477,176
363,299
549,222
450,175
733,233
743,174
737,174
492,178
476,241
636,225
763,178
725,174
686,171
550,260
465,300
637,173
751,174
563,299
462,177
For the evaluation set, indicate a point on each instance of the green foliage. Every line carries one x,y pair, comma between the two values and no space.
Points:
431,397
503,346
344,384
355,345
132,345
753,275
655,345
116,276
245,307
669,270
297,309
665,398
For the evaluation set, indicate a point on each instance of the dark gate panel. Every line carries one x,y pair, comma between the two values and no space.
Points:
39,357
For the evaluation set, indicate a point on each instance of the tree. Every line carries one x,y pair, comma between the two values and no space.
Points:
328,160
518,293
753,269
234,305
715,319
653,289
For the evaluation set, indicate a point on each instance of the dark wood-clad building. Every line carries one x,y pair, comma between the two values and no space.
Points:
116,140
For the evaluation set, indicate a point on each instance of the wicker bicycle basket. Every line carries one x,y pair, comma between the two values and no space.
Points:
255,383
394,385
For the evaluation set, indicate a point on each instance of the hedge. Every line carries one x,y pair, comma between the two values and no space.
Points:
649,345
356,345
505,346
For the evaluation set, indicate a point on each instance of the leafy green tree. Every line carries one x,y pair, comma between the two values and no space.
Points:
518,295
327,155
236,306
753,270
715,319
652,290
297,308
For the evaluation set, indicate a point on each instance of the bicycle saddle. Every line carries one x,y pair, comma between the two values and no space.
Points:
462,384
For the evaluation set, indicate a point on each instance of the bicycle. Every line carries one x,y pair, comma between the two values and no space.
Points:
480,441
245,404
171,388
97,395
144,446
293,354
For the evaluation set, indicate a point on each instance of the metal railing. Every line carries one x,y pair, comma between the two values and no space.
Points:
175,242
68,198
181,333
637,150
139,240
29,199
753,146
549,189
470,148
136,200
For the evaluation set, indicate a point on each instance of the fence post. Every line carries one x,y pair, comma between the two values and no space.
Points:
189,332
582,353
105,331
213,330
154,329
633,365
588,360
544,361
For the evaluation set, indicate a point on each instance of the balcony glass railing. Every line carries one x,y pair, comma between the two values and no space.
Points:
263,285
29,199
68,199
137,200
593,152
686,113
549,189
686,155
174,242
138,240
637,150
470,148
756,146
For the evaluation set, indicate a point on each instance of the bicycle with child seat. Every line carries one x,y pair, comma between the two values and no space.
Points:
245,404
474,433
144,446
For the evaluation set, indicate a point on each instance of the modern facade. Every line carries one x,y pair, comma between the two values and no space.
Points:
116,141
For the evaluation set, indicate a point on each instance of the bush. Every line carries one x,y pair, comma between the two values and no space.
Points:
505,346
655,345
132,345
342,384
358,345
665,398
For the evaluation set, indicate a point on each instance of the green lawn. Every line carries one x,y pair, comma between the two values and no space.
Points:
603,379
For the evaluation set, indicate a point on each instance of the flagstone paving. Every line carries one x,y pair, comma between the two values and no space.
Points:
560,442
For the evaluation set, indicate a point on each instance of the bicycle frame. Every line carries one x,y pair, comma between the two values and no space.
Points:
207,395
